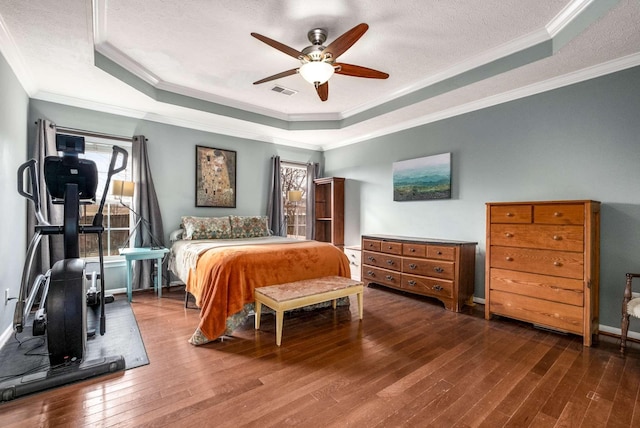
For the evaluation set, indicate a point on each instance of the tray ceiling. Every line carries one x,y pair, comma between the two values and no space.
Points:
192,63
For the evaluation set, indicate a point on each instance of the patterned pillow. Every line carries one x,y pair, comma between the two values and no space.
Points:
206,227
249,227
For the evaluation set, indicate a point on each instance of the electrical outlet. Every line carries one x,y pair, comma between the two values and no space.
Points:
6,296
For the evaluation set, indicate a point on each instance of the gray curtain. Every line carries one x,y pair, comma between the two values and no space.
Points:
275,206
150,232
51,247
313,172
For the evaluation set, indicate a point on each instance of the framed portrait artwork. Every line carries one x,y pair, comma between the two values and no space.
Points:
215,177
422,178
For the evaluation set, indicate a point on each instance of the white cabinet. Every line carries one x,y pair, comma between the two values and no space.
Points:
355,256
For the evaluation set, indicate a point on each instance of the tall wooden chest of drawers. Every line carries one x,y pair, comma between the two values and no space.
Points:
431,267
543,264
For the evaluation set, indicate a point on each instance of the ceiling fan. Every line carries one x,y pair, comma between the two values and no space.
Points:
318,61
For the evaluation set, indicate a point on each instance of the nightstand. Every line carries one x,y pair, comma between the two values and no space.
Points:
131,254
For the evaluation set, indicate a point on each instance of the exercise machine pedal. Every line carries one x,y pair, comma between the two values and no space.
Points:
39,323
59,376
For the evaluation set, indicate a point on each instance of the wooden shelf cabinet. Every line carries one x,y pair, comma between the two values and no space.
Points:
431,267
543,264
329,210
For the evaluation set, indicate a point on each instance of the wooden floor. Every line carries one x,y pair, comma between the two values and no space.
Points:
408,363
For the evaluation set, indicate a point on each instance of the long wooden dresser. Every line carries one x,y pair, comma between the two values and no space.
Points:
543,264
431,267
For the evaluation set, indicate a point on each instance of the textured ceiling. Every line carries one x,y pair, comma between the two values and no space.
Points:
192,63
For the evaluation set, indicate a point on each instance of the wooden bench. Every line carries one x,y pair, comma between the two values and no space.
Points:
293,295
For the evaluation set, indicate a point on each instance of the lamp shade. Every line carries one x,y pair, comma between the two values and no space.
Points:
294,195
316,72
122,188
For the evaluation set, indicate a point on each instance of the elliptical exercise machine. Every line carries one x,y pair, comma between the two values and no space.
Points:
63,291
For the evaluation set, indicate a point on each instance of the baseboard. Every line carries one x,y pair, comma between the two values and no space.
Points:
6,335
613,331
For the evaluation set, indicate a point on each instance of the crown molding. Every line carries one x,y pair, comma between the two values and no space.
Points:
500,52
526,91
515,53
241,131
567,15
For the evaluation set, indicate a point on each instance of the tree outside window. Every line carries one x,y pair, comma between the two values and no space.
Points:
294,178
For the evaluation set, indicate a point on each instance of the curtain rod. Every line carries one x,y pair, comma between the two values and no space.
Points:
84,133
295,163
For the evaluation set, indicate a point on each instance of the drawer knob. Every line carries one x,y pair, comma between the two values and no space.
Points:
412,250
413,266
509,259
389,278
439,253
371,273
438,269
390,262
557,238
353,264
558,264
389,247
508,235
509,214
411,283
437,287
371,259
557,214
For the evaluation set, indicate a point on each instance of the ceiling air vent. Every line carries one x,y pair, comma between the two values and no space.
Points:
283,90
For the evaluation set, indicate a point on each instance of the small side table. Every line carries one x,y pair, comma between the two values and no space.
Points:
131,254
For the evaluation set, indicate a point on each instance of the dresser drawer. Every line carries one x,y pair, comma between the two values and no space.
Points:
391,247
441,252
544,312
382,260
426,267
559,214
567,238
414,250
428,286
557,263
382,276
511,214
563,290
369,244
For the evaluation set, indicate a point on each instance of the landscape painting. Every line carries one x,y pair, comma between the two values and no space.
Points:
422,178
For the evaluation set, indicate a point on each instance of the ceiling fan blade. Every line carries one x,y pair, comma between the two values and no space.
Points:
281,47
323,91
357,71
344,42
277,76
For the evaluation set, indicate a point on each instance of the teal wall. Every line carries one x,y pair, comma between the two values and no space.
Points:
577,142
14,104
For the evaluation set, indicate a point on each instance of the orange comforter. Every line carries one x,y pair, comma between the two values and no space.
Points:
224,278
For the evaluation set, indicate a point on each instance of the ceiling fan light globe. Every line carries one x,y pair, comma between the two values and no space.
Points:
316,72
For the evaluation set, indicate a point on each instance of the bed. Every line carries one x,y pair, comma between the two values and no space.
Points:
222,260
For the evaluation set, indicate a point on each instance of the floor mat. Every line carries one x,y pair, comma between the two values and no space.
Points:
27,354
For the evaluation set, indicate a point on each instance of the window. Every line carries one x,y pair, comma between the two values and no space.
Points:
116,217
294,195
